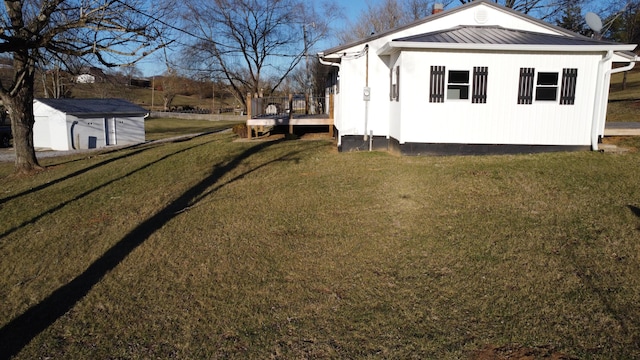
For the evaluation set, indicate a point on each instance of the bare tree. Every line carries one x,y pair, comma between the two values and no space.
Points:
387,15
542,9
245,42
110,32
170,86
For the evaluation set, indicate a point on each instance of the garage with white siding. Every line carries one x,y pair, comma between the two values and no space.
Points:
73,124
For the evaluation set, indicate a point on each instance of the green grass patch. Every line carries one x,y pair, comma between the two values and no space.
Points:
162,128
210,248
624,104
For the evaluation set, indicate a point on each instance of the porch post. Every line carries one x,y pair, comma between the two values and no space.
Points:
249,108
331,115
290,113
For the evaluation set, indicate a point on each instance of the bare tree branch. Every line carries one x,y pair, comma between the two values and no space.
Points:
246,42
107,32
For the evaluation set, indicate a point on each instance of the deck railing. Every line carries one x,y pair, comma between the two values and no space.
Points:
291,110
287,106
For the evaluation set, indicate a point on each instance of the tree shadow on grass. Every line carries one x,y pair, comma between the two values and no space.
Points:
636,211
90,191
15,335
603,284
137,149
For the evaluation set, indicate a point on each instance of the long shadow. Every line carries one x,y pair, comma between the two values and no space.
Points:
143,148
624,319
636,211
88,192
15,335
69,176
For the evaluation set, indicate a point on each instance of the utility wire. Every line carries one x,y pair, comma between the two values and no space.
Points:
198,37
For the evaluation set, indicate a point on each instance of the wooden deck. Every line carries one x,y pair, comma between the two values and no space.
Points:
257,122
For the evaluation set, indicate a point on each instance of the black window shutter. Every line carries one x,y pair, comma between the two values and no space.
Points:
437,84
479,95
525,87
391,84
568,90
398,83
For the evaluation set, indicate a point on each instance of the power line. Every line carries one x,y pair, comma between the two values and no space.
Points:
169,25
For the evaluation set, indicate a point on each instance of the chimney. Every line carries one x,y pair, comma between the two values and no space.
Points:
437,8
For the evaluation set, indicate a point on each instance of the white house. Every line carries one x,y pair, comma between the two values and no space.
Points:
85,79
71,124
474,79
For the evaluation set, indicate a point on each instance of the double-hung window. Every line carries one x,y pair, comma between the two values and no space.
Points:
546,86
458,84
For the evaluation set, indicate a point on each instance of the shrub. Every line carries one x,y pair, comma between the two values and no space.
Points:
241,130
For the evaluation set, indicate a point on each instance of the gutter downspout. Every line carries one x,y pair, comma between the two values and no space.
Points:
603,109
328,63
597,105
338,65
623,69
366,96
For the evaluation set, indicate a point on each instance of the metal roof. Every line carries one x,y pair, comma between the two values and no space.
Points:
498,35
94,106
497,38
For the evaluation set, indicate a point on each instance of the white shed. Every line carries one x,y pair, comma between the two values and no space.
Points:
71,124
474,79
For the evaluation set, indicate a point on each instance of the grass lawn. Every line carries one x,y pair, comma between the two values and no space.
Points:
624,105
212,248
162,128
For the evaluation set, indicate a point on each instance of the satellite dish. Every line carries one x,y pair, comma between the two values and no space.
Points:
593,21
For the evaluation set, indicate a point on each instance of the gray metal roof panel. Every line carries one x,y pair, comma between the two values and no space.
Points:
497,35
94,106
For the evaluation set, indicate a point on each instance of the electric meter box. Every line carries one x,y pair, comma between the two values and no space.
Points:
366,94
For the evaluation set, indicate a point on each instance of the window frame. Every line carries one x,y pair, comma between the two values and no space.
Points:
547,86
458,82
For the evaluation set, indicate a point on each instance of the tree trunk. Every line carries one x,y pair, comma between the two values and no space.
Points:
20,106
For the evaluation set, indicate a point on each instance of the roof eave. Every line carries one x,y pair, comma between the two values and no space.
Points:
391,47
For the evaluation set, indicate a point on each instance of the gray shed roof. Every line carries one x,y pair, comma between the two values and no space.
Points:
498,35
94,106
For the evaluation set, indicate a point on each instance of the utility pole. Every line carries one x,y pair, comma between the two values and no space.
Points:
306,72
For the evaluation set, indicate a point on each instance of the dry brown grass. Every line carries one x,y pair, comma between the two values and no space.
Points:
209,248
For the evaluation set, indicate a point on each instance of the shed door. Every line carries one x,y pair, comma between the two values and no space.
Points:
110,131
